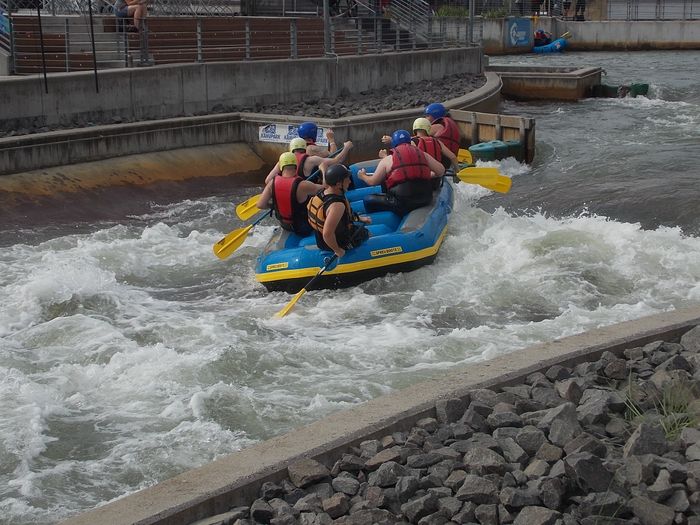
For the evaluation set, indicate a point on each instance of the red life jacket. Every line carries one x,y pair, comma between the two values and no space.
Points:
449,135
284,200
429,145
301,158
407,163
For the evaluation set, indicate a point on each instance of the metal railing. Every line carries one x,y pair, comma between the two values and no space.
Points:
167,40
413,16
653,9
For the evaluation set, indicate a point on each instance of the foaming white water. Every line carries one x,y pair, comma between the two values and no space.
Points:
130,354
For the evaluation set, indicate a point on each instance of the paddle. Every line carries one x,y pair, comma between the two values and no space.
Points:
284,311
464,156
233,240
247,209
489,178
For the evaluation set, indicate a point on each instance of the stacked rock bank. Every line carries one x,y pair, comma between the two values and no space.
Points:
615,441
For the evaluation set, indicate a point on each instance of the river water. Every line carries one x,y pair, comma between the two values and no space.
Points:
129,353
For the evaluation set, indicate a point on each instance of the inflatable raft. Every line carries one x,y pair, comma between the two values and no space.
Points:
555,46
396,244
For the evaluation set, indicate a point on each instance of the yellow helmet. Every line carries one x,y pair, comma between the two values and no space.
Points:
422,123
287,159
297,143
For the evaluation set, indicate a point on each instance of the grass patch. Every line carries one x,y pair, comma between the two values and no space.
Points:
672,409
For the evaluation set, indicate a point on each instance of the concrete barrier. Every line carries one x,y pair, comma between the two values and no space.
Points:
59,148
177,90
547,83
600,35
235,479
219,160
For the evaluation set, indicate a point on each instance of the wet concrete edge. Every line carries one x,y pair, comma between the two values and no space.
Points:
235,479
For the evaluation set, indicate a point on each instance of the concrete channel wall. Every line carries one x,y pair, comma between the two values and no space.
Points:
547,82
235,479
61,148
187,89
601,35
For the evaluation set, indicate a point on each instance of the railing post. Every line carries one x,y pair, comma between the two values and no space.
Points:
359,36
293,37
66,30
247,39
326,29
380,42
471,20
200,54
332,37
143,45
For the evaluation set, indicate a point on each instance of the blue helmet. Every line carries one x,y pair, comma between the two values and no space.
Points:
435,110
308,130
400,136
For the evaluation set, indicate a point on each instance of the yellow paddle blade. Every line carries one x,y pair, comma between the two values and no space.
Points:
464,156
566,35
489,178
284,311
245,210
231,242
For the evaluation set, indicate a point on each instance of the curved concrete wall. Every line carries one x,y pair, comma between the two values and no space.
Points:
60,148
177,90
235,479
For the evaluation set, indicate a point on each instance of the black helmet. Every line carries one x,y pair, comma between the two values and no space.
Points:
335,174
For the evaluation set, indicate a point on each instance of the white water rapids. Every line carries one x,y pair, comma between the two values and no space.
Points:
129,353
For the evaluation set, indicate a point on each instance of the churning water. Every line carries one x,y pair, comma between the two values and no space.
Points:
129,353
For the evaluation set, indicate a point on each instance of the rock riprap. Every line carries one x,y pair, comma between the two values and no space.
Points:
615,441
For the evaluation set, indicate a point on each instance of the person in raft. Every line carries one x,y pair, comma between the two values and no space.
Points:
442,126
406,174
309,132
331,217
426,143
287,194
307,164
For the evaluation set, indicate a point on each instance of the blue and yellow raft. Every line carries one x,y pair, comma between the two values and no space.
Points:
396,244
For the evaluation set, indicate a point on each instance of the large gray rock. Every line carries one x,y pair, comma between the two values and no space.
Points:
536,515
651,513
450,410
484,460
306,472
477,490
691,340
561,423
587,471
648,438
417,508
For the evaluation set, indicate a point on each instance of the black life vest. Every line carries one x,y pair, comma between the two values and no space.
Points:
288,210
449,135
317,209
407,163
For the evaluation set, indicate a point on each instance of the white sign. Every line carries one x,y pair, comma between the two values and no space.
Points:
283,133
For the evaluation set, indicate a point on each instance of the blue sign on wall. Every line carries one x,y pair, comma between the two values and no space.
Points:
518,32
4,24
